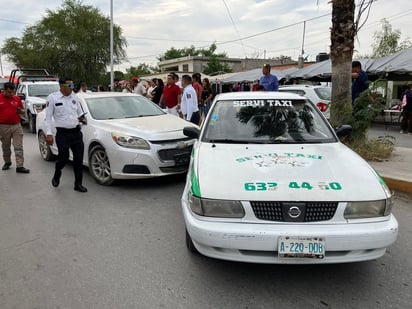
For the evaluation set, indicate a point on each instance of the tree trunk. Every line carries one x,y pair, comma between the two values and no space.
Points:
341,51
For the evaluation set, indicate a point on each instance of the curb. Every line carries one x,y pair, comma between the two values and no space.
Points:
398,184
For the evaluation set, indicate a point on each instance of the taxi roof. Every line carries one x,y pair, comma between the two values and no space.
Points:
253,95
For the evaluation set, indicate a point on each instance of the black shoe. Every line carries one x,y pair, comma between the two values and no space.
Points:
80,188
22,170
55,181
6,166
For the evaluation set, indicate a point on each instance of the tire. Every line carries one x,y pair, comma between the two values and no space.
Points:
45,150
189,244
99,166
32,122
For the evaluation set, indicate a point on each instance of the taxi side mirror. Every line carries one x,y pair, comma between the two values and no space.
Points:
343,130
191,132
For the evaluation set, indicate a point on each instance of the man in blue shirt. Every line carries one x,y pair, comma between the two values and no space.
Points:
359,80
268,81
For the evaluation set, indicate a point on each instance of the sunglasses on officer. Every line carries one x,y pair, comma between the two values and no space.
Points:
71,86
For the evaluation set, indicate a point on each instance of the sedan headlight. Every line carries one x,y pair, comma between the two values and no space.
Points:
368,209
216,208
130,141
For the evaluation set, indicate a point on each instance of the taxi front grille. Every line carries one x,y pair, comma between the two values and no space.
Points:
294,211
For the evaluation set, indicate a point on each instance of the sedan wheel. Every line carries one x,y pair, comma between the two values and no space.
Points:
99,166
45,150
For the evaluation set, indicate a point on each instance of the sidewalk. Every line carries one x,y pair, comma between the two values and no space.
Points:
397,170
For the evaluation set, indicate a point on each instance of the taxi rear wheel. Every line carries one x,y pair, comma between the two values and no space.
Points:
189,243
45,150
99,166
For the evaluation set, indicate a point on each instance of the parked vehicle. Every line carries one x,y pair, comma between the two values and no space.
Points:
270,182
321,96
3,80
126,136
33,86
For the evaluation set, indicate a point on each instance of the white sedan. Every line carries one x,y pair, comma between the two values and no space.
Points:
126,136
270,182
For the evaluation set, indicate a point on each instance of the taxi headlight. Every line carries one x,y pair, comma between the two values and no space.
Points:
216,208
130,141
368,209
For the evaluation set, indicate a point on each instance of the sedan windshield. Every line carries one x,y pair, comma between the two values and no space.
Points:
266,121
119,107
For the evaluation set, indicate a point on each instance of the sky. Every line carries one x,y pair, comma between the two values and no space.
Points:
240,28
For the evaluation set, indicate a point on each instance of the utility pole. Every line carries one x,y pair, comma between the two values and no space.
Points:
111,47
301,60
1,65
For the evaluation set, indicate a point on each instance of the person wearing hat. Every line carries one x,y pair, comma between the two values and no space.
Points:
268,81
135,87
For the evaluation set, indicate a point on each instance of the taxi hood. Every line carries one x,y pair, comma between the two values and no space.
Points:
304,172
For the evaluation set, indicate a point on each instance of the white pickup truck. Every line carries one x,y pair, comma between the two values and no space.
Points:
33,87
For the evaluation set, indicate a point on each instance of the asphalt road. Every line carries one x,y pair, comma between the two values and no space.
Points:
123,247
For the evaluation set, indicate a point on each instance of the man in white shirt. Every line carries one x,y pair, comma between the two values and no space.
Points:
83,88
64,107
189,106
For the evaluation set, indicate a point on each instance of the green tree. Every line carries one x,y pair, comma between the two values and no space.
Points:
215,66
72,41
140,70
387,41
174,53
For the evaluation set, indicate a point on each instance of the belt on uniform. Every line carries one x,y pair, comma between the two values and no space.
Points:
59,129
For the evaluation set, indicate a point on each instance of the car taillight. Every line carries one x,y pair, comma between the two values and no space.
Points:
323,107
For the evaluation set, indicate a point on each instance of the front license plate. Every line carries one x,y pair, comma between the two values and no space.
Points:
301,247
182,159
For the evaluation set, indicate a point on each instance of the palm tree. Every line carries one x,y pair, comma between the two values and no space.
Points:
343,32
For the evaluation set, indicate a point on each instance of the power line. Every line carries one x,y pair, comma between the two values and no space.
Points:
234,25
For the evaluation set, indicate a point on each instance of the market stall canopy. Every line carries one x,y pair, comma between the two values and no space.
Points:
249,76
397,66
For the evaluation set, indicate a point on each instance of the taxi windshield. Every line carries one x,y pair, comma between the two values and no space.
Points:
266,121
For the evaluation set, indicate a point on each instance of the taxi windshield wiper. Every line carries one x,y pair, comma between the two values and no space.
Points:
228,141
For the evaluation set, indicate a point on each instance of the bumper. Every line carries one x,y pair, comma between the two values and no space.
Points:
143,160
257,243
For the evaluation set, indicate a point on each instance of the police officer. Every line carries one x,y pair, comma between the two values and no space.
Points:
64,106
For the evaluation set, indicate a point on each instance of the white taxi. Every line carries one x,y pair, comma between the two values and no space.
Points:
126,136
270,182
